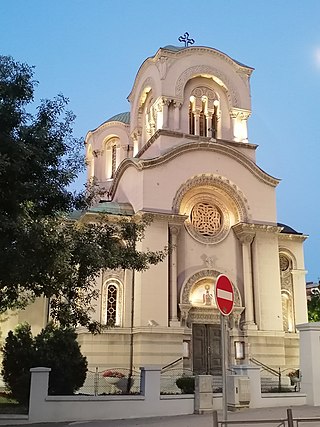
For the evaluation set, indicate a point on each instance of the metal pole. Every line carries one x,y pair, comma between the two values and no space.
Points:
129,383
224,369
215,419
96,381
290,418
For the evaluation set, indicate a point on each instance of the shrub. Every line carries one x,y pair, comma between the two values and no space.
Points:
54,347
18,358
186,384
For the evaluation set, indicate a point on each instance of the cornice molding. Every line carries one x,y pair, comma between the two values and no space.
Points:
293,237
246,232
175,220
194,138
141,164
299,272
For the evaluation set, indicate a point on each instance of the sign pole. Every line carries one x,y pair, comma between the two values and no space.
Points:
224,367
225,301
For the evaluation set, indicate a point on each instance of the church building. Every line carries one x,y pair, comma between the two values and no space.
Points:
182,155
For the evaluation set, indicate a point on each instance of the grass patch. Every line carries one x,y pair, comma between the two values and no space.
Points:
8,405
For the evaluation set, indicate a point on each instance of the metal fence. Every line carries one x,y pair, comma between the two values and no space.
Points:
97,384
289,421
170,375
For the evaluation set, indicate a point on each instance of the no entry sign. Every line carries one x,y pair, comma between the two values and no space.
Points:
224,295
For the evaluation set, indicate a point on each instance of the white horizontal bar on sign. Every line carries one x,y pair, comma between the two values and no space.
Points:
221,293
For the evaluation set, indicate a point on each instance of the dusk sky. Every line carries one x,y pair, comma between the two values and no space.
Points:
91,50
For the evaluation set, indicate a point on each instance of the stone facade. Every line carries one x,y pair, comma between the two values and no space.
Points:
183,156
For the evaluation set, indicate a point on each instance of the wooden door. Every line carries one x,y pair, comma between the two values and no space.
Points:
206,349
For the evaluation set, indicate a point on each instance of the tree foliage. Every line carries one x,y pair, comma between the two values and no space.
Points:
42,251
54,347
314,306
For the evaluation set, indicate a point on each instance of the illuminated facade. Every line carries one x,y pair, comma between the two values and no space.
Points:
182,154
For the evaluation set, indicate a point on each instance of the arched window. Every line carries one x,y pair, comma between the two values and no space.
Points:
287,312
285,263
191,116
112,156
203,112
112,303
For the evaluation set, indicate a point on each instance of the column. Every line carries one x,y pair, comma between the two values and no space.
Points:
136,136
177,105
256,281
234,116
165,107
197,122
247,276
174,231
246,240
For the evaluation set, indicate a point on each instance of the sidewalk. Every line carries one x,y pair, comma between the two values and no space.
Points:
206,420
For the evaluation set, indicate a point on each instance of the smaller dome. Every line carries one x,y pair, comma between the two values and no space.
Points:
121,117
113,208
173,48
287,229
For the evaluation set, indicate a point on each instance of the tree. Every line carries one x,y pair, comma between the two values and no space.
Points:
314,306
18,356
42,251
55,347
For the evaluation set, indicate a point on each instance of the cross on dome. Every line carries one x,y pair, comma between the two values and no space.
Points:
186,40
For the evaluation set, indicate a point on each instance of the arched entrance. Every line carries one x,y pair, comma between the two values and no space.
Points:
200,313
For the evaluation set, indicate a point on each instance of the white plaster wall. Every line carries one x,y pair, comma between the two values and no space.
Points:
160,184
152,290
130,189
225,257
267,282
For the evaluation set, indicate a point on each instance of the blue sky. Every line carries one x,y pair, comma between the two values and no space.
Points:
90,50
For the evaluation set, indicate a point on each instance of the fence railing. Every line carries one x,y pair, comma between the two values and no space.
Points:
289,421
281,384
96,384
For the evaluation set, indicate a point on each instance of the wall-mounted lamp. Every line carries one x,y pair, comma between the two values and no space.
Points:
239,352
152,323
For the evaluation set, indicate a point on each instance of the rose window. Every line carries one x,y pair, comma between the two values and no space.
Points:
206,219
284,263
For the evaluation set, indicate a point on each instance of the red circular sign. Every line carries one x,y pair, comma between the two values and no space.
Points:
224,295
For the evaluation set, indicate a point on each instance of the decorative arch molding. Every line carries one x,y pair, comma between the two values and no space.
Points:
223,81
96,132
141,164
111,139
148,83
220,183
287,253
118,300
142,95
207,273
